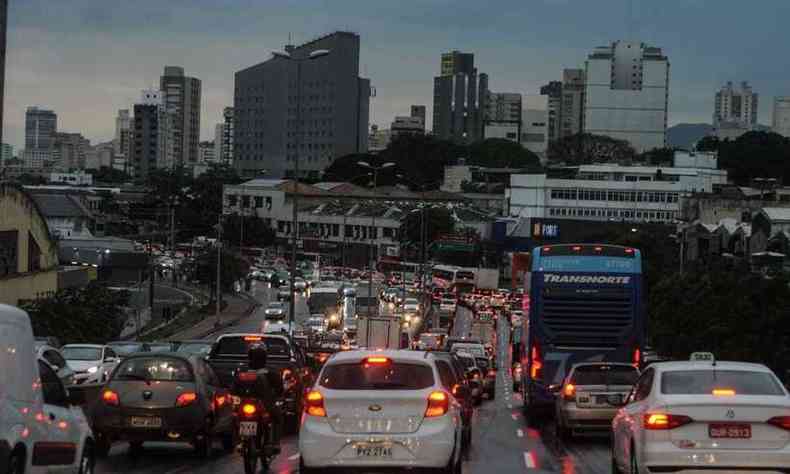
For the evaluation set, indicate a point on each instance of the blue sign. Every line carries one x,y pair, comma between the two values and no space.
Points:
571,263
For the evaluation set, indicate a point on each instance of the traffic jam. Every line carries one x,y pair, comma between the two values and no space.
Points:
441,371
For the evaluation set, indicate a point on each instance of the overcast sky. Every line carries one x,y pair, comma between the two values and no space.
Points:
88,58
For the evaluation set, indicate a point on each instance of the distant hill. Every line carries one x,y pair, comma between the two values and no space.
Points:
684,135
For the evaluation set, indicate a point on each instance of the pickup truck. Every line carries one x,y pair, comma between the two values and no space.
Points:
229,355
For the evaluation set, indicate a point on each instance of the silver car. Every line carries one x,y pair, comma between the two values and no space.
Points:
581,403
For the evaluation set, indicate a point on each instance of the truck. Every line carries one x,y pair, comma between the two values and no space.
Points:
348,311
367,303
379,332
323,299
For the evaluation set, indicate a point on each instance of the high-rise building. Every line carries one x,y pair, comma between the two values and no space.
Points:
122,142
553,91
155,139
781,119
535,124
206,152
3,26
225,155
334,103
181,97
459,99
418,111
627,94
735,110
69,151
40,128
572,103
502,116
407,126
6,153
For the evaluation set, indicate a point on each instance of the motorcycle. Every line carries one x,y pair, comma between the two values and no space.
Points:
254,424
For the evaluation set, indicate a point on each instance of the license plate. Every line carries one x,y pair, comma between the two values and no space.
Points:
730,430
248,428
145,422
367,451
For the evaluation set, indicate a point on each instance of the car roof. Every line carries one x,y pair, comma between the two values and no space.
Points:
707,365
592,364
90,346
175,355
257,334
398,354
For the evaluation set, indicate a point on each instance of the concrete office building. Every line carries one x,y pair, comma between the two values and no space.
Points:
502,117
37,159
181,98
70,151
613,192
122,143
225,155
459,99
572,103
379,139
40,128
781,118
735,110
553,93
334,109
6,153
627,94
155,136
407,126
206,152
535,124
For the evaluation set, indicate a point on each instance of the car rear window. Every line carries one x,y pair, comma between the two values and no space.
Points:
154,369
81,353
604,375
195,348
703,382
239,346
393,376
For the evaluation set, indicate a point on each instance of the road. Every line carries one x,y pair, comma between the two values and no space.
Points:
502,440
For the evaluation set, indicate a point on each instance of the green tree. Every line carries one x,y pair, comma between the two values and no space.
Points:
756,155
657,156
438,221
110,175
585,148
708,143
501,153
232,269
256,233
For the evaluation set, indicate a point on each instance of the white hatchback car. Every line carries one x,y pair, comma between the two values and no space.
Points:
92,363
380,409
703,416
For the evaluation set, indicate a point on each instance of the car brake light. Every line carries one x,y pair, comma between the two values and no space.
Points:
249,409
252,338
629,250
598,249
546,249
375,360
780,422
569,392
576,248
491,373
110,398
314,404
637,360
248,376
536,365
723,392
438,404
186,399
665,421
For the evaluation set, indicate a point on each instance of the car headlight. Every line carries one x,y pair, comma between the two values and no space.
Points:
93,370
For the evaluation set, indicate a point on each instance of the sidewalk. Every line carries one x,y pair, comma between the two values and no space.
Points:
238,307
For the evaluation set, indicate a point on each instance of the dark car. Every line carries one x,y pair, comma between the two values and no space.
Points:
199,347
486,367
163,397
452,375
127,348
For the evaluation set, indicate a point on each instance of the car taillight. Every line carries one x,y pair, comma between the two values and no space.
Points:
723,392
186,399
637,359
219,401
375,361
247,376
780,422
110,398
491,373
536,365
438,404
314,404
249,409
569,392
665,421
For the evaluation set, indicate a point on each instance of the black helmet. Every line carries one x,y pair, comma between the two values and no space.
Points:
257,354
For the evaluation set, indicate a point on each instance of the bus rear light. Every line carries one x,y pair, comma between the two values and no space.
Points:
546,249
535,364
629,250
598,249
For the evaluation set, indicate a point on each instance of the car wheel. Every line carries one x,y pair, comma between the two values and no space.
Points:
102,447
16,465
87,462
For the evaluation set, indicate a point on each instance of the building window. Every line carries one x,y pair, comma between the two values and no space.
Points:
8,252
349,231
245,202
335,230
258,202
232,200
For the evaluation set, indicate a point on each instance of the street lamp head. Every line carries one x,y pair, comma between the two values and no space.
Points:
318,53
364,163
388,165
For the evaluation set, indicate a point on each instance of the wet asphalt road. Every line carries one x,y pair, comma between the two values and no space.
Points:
502,440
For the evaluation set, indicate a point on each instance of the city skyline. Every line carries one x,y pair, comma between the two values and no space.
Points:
87,59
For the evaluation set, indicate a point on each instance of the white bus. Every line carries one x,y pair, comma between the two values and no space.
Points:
446,276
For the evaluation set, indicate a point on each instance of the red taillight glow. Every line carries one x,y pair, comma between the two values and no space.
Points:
536,365
249,409
629,250
665,421
110,398
186,399
314,404
253,338
375,360
569,392
546,249
598,249
438,404
723,392
219,401
780,422
248,376
491,373
637,361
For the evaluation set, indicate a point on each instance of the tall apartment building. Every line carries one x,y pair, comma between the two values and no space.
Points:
40,128
572,103
206,153
781,118
735,110
6,153
502,116
627,94
535,124
155,139
419,111
70,151
553,91
459,99
122,142
181,97
333,120
225,137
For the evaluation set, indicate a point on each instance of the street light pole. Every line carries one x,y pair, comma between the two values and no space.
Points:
217,314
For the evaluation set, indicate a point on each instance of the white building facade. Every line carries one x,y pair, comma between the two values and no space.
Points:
535,124
735,110
627,94
781,118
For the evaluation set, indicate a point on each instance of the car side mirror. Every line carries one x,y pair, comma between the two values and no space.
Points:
76,396
616,400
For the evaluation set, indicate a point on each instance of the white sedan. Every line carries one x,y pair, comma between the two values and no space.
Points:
92,363
703,416
382,409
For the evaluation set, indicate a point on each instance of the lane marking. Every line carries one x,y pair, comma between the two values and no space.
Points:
529,460
294,457
520,433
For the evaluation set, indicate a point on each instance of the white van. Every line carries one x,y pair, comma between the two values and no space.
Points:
41,429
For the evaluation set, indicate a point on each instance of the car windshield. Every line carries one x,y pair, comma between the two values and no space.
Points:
195,348
393,376
161,347
704,382
276,305
239,345
81,353
163,369
604,375
126,349
468,362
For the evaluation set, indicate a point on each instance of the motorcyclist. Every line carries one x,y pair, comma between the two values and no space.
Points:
268,388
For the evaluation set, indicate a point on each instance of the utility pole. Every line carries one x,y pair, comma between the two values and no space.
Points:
173,241
151,273
218,322
295,200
